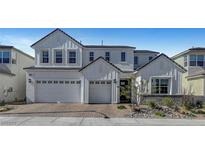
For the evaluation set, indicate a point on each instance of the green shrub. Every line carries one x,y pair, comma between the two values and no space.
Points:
188,105
169,102
121,107
160,114
151,104
2,103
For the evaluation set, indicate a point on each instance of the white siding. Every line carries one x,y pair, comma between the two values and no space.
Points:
163,67
143,58
101,70
58,40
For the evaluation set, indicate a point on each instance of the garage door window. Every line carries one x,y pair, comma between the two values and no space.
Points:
55,82
61,82
77,82
109,82
38,82
72,82
50,82
67,82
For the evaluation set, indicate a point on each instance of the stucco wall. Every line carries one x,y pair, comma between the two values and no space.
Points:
17,82
115,57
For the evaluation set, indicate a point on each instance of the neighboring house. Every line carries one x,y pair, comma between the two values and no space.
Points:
161,76
12,75
67,71
193,60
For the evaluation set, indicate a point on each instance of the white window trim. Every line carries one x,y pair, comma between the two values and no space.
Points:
10,60
54,56
68,55
92,56
121,57
41,56
162,77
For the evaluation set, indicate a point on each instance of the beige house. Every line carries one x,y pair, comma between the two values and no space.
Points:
193,80
12,75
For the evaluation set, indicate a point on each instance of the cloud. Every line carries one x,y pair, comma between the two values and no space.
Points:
22,43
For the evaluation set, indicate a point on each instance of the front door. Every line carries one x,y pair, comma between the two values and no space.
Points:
125,91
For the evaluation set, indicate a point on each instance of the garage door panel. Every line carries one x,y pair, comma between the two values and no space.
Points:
100,92
58,90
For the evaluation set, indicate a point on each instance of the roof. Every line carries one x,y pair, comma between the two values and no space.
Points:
12,47
156,59
106,62
50,68
108,46
188,50
57,29
85,46
5,70
145,51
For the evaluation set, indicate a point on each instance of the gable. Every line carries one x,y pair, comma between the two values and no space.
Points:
162,66
57,39
99,69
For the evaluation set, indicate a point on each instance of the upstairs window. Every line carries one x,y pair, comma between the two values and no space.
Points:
123,56
58,56
107,56
196,60
5,57
200,60
150,58
45,57
185,61
72,57
135,62
91,58
160,86
192,60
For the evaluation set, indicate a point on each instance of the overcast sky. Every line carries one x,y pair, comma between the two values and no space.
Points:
168,41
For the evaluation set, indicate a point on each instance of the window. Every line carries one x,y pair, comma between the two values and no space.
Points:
72,57
150,58
185,61
78,82
44,82
50,82
61,82
107,56
200,60
38,81
192,60
55,82
123,56
5,57
135,62
59,56
67,82
91,56
45,57
72,82
160,86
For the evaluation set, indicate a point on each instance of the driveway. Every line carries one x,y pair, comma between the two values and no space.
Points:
68,110
77,121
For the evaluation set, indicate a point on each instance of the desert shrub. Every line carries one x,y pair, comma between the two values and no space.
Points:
169,102
151,104
121,107
2,103
160,114
199,104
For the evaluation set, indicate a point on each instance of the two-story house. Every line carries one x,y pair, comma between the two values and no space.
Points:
193,60
67,71
12,75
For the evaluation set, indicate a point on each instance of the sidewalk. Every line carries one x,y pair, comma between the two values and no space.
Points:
68,121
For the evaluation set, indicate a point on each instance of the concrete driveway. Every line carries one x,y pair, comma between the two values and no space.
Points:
76,121
68,110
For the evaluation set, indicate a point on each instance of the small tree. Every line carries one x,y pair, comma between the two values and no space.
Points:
136,89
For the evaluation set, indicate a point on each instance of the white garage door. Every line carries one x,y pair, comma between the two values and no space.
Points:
67,91
100,91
